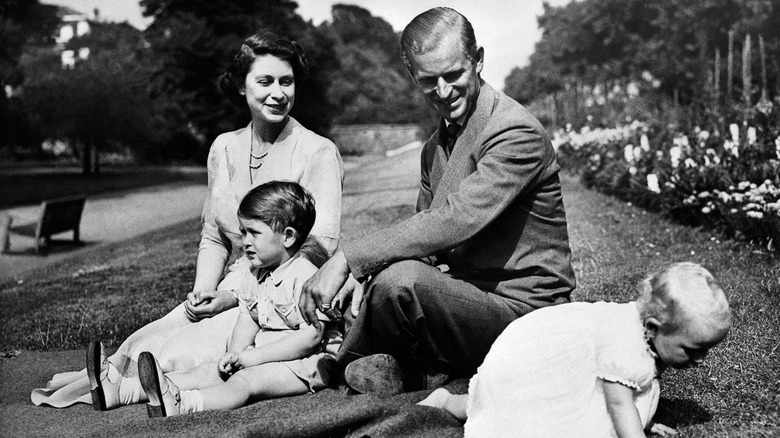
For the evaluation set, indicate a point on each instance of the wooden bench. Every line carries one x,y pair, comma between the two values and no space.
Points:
56,216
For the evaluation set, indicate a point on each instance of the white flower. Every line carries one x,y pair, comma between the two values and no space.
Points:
777,147
706,210
755,214
675,153
632,170
628,153
704,135
652,183
637,153
743,185
734,129
644,143
751,135
689,162
704,194
706,160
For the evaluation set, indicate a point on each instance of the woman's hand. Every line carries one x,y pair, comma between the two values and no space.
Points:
228,364
205,304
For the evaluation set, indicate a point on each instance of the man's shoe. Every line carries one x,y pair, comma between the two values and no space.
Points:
163,394
105,394
379,375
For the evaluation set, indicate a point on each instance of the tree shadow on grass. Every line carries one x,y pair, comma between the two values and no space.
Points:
678,413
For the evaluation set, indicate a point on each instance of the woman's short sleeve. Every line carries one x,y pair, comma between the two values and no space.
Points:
212,238
323,177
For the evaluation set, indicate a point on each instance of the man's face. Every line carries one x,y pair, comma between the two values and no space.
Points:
447,78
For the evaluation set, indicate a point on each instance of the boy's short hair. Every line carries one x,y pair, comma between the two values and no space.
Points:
682,291
280,204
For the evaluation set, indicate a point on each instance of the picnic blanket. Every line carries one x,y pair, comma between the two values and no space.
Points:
329,413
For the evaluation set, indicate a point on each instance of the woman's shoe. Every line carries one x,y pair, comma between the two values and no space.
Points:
105,393
163,394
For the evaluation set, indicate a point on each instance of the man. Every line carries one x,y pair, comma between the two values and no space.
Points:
489,213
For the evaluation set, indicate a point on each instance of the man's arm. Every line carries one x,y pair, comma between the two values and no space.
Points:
513,162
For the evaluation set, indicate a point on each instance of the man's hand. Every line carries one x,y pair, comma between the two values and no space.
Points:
228,364
205,304
322,288
352,288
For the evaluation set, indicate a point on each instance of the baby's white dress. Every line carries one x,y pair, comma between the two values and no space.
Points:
542,376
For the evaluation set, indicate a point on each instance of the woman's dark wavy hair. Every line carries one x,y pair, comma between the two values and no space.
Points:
231,82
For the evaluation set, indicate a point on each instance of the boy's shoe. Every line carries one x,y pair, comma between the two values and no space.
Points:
382,375
105,393
163,394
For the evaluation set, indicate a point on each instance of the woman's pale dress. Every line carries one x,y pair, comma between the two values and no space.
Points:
543,375
179,344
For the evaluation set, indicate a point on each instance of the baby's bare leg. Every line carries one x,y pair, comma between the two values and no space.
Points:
455,404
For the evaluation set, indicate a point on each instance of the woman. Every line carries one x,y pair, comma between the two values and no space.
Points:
264,75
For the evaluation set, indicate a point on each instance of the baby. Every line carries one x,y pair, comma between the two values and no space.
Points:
593,367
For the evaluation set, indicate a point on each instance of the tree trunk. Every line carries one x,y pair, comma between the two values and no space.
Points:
89,158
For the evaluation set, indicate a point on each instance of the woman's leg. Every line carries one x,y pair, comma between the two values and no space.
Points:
269,380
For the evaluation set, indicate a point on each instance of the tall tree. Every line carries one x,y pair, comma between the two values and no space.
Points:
100,103
23,24
194,39
373,85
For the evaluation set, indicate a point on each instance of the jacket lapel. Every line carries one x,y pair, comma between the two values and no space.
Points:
465,153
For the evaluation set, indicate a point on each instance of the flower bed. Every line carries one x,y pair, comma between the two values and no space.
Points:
726,181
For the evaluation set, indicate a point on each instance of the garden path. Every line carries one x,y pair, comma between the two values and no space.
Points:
106,219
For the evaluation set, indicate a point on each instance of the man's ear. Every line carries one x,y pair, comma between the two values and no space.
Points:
290,237
480,61
652,327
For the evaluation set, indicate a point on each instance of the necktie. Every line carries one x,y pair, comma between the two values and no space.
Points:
452,135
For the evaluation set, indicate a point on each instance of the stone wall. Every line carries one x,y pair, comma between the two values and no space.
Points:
375,139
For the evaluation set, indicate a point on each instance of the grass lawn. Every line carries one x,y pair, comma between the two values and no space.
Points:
110,292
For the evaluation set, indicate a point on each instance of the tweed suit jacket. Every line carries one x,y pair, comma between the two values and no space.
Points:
492,210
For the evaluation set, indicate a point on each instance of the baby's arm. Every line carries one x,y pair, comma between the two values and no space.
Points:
622,411
296,345
455,404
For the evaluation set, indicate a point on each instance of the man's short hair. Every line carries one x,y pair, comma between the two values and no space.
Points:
426,30
280,204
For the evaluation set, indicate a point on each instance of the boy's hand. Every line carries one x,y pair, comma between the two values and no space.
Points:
228,364
205,304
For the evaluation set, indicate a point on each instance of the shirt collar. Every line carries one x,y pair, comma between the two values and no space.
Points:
278,275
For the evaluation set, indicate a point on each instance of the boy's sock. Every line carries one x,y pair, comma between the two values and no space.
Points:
191,401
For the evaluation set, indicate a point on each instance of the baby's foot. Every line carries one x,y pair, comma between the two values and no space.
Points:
436,399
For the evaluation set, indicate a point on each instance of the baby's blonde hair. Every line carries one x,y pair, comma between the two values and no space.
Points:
682,294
